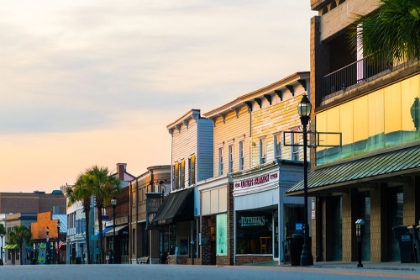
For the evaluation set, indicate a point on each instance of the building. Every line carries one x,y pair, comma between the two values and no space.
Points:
36,202
245,215
192,161
372,173
146,193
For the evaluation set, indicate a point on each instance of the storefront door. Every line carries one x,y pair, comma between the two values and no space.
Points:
337,229
364,213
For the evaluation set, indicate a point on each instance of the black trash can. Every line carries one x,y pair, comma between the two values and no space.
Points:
295,246
416,242
402,234
78,260
163,257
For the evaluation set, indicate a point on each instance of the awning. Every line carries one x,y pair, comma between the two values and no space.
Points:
380,166
177,207
11,246
118,230
105,230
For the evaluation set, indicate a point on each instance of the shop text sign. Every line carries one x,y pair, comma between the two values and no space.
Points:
254,181
253,221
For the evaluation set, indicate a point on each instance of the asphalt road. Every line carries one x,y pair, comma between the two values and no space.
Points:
183,272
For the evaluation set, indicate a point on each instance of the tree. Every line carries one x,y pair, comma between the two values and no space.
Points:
104,186
20,235
83,192
390,34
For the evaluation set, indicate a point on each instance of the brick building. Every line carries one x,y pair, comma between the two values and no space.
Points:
35,202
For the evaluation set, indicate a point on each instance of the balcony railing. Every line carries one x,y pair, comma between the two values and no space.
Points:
350,75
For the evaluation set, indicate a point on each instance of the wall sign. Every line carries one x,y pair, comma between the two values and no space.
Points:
254,181
253,221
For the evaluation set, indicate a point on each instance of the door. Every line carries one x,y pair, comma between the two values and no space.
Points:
364,213
337,229
395,218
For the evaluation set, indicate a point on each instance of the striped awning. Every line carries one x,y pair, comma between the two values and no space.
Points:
380,166
11,246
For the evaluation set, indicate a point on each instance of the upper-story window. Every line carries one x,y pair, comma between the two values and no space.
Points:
191,170
182,175
175,176
263,150
295,148
230,151
277,145
241,155
220,161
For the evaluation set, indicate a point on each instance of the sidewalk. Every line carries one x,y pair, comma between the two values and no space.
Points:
350,265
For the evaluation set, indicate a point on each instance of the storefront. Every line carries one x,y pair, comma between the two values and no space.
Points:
263,216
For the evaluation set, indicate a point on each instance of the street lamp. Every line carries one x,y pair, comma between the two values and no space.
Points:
58,240
114,204
304,110
47,231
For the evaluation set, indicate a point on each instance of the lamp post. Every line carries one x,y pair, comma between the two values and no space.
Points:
1,251
114,204
58,240
304,110
47,231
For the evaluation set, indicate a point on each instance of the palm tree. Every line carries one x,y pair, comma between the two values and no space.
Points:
390,34
104,186
20,235
82,191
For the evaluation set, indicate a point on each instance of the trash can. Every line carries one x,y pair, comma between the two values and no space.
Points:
416,242
78,260
295,246
1,261
163,257
402,234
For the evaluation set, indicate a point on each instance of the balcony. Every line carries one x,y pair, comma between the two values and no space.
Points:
350,76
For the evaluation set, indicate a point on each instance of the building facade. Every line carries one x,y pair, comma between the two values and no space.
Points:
370,171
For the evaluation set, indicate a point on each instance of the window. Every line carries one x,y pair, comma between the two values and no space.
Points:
263,153
220,161
175,176
182,175
191,170
230,158
295,148
134,240
241,155
277,145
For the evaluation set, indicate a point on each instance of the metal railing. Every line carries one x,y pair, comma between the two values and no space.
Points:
350,75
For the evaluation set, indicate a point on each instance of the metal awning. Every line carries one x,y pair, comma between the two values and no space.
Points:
380,166
105,230
110,232
177,207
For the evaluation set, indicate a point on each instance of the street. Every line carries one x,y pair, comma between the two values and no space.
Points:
182,272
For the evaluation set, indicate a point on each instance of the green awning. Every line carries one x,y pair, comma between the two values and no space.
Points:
380,166
11,246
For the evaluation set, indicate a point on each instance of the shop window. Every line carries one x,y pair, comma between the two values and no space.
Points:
191,170
254,232
277,145
230,158
263,151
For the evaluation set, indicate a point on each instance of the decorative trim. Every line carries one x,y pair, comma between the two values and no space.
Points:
231,141
171,131
262,137
279,94
178,127
268,97
221,144
303,83
237,112
241,138
185,122
291,89
249,105
259,102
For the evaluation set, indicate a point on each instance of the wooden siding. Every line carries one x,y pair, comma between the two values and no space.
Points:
204,150
184,144
229,131
278,117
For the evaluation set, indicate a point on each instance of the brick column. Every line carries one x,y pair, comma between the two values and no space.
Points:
205,240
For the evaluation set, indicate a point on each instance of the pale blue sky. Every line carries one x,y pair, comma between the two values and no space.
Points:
96,82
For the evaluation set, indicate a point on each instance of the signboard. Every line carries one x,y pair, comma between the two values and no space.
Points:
153,202
253,221
255,181
42,253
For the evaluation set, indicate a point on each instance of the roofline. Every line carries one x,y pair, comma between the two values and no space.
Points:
191,114
240,101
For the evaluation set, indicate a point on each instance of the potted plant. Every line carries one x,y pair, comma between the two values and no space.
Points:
242,247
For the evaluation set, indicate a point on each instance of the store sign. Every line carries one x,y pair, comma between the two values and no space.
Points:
253,221
255,181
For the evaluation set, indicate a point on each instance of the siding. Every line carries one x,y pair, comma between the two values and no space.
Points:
232,129
280,116
204,150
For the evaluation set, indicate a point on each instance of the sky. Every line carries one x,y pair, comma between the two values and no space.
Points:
96,82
